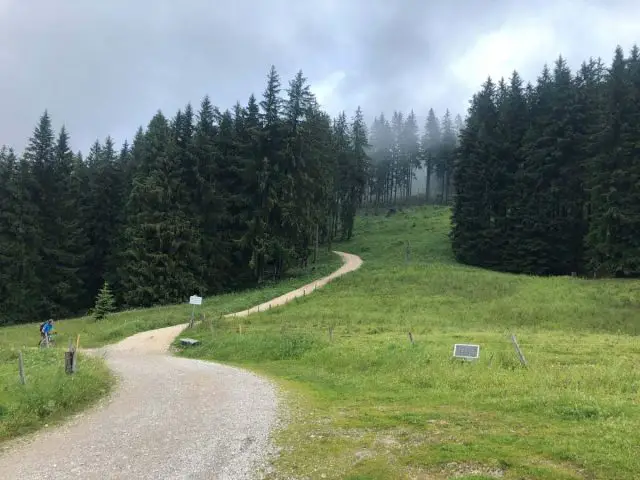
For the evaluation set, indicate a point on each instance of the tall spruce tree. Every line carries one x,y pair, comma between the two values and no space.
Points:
446,155
162,240
513,123
473,213
430,149
20,254
614,217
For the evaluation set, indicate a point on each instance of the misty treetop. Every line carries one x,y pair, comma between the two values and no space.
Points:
203,202
547,176
400,148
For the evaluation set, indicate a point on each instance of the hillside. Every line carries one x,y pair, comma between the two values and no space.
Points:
370,405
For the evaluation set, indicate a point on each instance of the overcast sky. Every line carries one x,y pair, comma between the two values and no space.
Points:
105,66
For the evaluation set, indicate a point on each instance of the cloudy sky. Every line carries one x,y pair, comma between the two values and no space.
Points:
105,66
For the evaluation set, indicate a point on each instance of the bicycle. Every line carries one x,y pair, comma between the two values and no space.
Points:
48,342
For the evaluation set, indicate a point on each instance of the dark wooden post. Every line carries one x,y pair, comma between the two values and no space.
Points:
21,368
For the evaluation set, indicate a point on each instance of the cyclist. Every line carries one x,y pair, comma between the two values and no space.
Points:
45,330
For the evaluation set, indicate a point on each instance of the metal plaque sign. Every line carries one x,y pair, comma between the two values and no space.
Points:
195,300
466,351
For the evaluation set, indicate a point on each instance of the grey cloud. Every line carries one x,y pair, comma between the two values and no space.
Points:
106,67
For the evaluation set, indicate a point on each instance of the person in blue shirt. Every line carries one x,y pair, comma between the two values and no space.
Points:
45,330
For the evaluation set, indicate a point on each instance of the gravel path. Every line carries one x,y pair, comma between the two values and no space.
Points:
170,417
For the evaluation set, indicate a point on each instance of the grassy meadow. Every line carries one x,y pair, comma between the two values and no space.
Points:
366,403
50,395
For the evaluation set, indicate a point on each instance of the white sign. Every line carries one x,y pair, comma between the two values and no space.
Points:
195,300
466,351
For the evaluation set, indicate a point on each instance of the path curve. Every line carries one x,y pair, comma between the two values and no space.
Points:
169,418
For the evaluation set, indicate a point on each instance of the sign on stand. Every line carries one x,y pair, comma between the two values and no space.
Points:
194,300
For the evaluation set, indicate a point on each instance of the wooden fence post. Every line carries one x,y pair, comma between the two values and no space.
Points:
523,361
21,368
70,359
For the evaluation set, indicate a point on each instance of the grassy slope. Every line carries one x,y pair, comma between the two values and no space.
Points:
369,405
50,395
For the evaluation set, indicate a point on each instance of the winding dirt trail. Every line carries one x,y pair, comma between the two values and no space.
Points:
169,418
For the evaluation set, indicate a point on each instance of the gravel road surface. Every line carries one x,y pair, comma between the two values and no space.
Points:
169,418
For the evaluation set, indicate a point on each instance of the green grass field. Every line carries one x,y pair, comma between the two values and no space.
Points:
49,394
368,404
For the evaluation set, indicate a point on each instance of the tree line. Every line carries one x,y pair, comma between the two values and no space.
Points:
547,176
203,202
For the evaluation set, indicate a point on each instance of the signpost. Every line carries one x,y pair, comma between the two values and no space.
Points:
466,351
194,300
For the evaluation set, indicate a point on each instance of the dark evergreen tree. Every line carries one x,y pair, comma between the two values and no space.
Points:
358,173
411,152
615,211
446,155
513,123
268,247
472,211
209,201
20,286
430,149
161,261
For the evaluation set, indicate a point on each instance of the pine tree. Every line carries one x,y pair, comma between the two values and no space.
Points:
230,177
268,247
343,155
209,202
70,243
255,190
446,155
296,201
472,218
358,172
105,303
321,169
19,247
105,177
160,263
612,241
536,180
39,155
411,151
430,149
513,123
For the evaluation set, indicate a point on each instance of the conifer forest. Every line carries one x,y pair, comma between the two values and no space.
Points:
543,179
547,176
